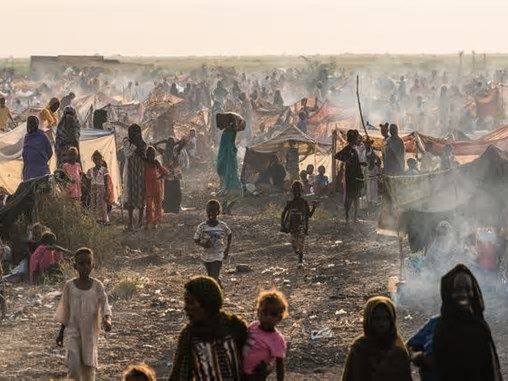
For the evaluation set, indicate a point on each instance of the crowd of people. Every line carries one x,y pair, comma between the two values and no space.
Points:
215,344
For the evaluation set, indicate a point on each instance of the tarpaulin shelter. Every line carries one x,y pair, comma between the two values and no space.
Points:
475,191
11,162
85,105
258,155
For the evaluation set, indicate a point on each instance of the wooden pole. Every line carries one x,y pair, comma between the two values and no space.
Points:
334,151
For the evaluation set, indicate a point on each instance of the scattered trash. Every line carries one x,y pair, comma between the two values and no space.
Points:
312,317
330,265
325,333
408,317
341,312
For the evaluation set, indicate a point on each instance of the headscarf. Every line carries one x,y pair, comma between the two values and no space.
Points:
68,131
373,359
32,124
462,345
136,139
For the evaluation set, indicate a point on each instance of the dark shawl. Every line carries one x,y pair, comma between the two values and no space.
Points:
215,328
68,133
373,360
462,345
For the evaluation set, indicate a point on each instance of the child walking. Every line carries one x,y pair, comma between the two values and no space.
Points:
98,176
154,173
214,236
84,302
264,342
72,168
295,219
378,354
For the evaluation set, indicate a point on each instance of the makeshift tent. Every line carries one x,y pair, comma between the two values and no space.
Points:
86,104
11,163
473,191
258,155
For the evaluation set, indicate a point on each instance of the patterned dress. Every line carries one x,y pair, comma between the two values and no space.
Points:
98,193
134,179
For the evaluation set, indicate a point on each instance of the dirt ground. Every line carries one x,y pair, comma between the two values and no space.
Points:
345,266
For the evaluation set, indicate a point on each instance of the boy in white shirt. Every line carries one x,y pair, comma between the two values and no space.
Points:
214,236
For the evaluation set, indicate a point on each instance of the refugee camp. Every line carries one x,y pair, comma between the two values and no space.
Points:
247,191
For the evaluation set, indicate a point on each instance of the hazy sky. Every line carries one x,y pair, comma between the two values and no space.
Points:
236,27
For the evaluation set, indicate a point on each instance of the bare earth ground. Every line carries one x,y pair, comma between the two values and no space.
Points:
344,268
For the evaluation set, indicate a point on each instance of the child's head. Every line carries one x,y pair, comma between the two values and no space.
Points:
411,163
97,159
272,307
310,169
139,372
212,209
321,169
297,188
48,238
303,176
72,154
150,153
379,319
203,298
83,262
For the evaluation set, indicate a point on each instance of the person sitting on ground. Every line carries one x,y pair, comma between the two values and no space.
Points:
139,372
214,236
462,345
321,181
45,258
310,175
412,166
295,219
83,305
379,354
273,174
210,345
305,182
265,343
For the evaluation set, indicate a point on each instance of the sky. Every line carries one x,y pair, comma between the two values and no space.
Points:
245,27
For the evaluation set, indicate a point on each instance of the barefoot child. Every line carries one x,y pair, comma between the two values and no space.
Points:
84,303
214,236
264,342
98,188
209,347
295,219
154,173
72,168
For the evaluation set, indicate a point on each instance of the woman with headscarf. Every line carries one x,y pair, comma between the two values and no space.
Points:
379,354
134,174
172,188
227,164
37,151
462,346
67,134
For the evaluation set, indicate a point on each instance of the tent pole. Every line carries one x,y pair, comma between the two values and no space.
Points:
334,149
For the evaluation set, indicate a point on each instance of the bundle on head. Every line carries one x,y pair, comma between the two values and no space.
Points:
230,119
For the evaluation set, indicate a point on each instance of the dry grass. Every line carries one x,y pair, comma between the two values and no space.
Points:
73,226
127,286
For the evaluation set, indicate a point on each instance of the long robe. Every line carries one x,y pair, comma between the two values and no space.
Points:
37,152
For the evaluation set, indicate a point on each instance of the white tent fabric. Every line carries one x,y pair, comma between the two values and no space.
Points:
306,145
11,163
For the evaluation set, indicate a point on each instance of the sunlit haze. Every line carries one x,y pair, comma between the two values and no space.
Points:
243,27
